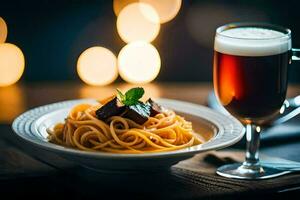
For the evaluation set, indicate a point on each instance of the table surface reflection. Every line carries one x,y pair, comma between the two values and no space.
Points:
20,97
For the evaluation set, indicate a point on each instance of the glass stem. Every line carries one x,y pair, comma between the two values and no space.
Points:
252,138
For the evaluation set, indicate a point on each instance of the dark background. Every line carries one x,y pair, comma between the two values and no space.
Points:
53,33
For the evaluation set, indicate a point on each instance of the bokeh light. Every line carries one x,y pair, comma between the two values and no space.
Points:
139,62
138,22
12,63
3,30
118,5
97,66
166,9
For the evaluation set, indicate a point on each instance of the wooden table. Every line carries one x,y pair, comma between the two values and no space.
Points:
24,175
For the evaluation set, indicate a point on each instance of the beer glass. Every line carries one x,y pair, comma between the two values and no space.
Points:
250,80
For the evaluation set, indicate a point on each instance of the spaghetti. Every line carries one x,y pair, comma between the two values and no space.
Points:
82,129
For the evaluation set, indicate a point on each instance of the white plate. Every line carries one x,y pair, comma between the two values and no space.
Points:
224,131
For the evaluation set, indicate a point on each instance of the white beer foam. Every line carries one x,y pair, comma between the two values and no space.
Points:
248,41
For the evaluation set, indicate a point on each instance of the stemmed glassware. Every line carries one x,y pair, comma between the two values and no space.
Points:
250,80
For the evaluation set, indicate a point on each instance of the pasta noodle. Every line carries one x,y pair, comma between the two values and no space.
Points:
83,130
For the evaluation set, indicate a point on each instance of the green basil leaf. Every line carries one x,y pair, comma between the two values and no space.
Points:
121,96
134,94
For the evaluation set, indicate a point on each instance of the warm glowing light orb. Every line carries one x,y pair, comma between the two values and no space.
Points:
3,30
97,66
138,22
118,5
12,63
166,9
139,62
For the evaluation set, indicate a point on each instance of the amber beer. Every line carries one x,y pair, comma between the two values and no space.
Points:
250,71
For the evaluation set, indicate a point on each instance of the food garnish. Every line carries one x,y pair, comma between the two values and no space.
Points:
132,96
128,105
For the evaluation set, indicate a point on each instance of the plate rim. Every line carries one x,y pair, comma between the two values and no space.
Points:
23,120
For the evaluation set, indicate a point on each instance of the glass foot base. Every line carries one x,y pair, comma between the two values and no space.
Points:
240,171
